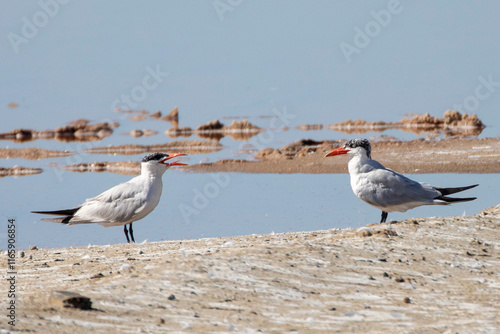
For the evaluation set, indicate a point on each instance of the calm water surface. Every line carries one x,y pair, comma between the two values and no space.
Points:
193,206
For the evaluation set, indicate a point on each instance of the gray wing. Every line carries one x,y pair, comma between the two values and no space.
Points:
389,188
115,206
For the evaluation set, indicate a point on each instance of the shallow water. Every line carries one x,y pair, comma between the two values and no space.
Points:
196,205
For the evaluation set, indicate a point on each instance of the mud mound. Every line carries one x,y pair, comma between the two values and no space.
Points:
361,126
451,118
179,132
142,115
299,148
210,126
32,153
309,127
138,118
173,115
187,146
216,130
120,167
238,130
452,124
243,125
80,130
19,171
141,133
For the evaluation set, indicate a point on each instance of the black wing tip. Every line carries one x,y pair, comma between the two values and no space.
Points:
449,191
467,199
454,200
66,212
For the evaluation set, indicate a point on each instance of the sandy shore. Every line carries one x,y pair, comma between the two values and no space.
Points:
420,276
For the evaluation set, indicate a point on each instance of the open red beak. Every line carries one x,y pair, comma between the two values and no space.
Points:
337,151
175,163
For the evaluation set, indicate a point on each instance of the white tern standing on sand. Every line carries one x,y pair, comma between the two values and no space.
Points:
387,190
125,203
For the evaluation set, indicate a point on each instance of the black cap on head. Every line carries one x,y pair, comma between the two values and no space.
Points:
364,143
154,157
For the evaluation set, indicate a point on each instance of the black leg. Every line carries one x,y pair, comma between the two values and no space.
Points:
131,232
126,232
384,217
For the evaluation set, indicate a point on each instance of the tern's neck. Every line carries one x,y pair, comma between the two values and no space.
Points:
152,171
356,163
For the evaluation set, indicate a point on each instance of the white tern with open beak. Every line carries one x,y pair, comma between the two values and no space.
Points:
125,203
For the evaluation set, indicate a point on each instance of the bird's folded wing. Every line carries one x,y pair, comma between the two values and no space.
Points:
118,204
391,187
